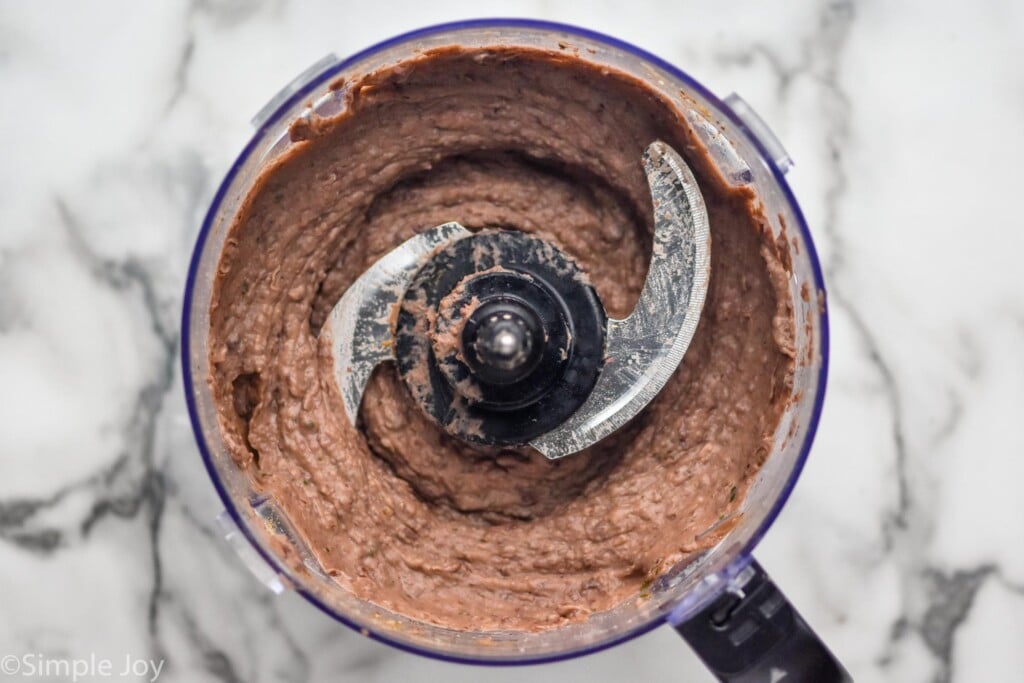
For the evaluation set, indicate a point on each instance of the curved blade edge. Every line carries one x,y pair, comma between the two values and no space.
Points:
644,350
361,324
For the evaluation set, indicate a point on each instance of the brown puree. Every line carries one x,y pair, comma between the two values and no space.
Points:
404,516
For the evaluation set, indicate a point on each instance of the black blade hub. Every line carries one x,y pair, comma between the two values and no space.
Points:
500,338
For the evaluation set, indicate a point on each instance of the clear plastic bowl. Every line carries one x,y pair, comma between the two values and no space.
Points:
746,153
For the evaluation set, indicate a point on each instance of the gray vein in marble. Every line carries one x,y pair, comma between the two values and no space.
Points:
135,485
148,492
947,597
120,489
907,525
227,14
784,74
835,26
224,15
180,77
834,29
300,665
948,425
951,599
189,179
12,312
968,353
42,541
367,661
17,514
1011,586
898,519
206,530
821,56
215,660
14,514
122,276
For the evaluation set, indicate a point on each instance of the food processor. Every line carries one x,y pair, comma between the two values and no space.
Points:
510,326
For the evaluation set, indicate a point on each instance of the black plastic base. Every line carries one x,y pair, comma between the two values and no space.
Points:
757,636
530,279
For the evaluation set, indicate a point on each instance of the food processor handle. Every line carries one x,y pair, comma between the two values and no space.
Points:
752,634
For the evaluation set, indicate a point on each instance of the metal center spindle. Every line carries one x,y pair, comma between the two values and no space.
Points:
503,341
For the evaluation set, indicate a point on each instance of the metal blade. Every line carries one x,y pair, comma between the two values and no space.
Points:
644,350
361,324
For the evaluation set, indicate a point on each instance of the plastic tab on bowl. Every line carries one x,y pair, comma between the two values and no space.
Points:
760,130
250,558
293,87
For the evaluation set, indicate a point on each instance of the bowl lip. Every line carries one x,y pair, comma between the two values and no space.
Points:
742,558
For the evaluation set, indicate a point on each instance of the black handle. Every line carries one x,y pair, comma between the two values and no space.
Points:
751,634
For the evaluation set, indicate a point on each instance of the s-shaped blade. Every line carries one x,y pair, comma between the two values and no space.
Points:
642,351
362,322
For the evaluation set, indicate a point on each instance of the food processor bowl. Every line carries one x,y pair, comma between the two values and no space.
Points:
711,586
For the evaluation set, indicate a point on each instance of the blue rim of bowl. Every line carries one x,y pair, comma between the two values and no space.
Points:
744,555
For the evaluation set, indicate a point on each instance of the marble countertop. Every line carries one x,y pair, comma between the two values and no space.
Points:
901,544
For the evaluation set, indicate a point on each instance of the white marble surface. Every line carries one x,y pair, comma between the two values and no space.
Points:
902,543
